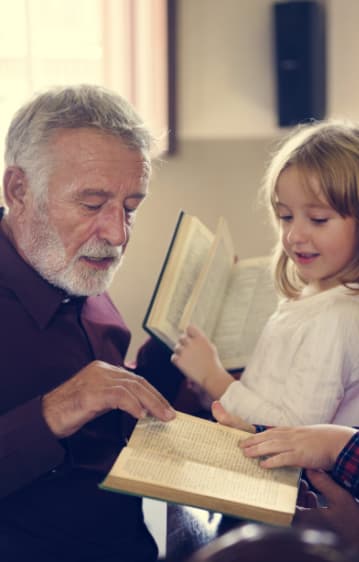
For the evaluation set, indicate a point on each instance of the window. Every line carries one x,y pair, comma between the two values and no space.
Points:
120,44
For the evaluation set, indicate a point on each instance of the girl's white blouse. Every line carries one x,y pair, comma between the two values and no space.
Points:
305,367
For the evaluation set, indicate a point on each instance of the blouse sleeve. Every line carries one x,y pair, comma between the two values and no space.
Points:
324,367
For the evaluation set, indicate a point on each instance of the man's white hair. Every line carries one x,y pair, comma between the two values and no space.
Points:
83,106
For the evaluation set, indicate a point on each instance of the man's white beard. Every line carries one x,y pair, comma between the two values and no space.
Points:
44,250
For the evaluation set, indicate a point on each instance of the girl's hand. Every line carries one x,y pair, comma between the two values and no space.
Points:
197,358
223,417
315,446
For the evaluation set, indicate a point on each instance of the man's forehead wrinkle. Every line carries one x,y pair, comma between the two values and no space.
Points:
92,160
81,146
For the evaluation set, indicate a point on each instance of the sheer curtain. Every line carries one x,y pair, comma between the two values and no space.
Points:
120,44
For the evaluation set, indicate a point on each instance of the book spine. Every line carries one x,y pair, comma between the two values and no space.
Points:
164,265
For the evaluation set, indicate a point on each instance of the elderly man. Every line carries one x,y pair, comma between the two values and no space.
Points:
77,169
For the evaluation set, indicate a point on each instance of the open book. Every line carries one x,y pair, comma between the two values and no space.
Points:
198,462
202,284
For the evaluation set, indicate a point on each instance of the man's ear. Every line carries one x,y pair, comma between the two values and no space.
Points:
15,188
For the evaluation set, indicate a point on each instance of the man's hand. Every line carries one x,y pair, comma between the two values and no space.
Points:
96,389
341,514
306,496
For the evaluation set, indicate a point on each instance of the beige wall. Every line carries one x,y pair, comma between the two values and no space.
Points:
226,69
226,128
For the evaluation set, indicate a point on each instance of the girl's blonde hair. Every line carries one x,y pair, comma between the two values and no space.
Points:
329,151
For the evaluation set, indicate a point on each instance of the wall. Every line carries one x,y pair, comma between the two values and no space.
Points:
226,71
226,87
227,129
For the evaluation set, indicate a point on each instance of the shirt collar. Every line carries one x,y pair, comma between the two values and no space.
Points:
39,298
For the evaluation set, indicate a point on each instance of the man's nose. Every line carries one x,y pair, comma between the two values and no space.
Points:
113,228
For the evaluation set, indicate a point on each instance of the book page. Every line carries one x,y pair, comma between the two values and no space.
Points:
186,260
199,456
249,301
205,303
194,255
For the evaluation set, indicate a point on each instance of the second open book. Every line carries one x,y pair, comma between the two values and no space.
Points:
200,283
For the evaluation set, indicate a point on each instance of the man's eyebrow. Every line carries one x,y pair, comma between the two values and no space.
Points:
137,195
93,192
98,192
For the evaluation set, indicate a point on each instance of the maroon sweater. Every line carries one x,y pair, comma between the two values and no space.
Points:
51,507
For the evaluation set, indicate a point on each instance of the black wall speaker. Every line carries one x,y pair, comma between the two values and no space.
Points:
300,58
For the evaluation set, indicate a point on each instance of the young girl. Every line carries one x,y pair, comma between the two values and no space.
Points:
305,368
